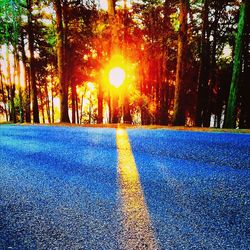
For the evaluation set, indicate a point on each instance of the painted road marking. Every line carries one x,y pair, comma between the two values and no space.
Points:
137,227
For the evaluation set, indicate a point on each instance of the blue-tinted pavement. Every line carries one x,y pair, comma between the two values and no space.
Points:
60,188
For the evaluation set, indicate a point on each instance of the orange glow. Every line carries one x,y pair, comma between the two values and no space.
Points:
118,73
13,73
117,76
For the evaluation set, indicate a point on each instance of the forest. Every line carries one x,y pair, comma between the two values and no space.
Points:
162,62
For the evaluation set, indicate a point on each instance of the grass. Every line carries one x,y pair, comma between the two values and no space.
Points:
130,126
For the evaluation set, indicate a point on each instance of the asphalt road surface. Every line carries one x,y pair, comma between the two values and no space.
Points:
94,188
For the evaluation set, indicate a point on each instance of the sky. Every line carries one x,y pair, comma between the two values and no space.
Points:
103,4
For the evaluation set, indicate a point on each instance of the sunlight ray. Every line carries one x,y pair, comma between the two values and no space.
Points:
137,227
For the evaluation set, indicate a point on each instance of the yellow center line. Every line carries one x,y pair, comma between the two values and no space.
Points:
137,227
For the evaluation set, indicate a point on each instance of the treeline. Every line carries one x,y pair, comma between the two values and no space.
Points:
186,62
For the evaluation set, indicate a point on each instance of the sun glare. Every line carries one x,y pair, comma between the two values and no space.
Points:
117,76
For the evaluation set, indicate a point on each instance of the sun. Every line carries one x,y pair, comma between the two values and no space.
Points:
117,76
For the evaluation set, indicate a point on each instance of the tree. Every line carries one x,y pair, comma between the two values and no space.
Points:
179,102
32,63
64,116
3,95
163,89
245,87
203,69
7,27
113,50
158,43
16,33
27,91
231,113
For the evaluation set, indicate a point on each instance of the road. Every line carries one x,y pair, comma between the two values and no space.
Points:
104,188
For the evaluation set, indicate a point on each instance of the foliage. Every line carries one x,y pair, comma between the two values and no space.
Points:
146,35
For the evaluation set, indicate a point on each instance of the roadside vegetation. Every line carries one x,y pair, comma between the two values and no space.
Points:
150,62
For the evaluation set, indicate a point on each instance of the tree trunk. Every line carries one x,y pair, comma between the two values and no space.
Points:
179,102
208,102
12,88
18,76
100,104
163,119
17,71
203,70
245,87
111,7
143,92
4,99
73,101
81,111
231,113
110,107
47,102
64,116
42,109
127,118
114,108
32,64
12,103
77,109
26,81
157,90
52,105
163,103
